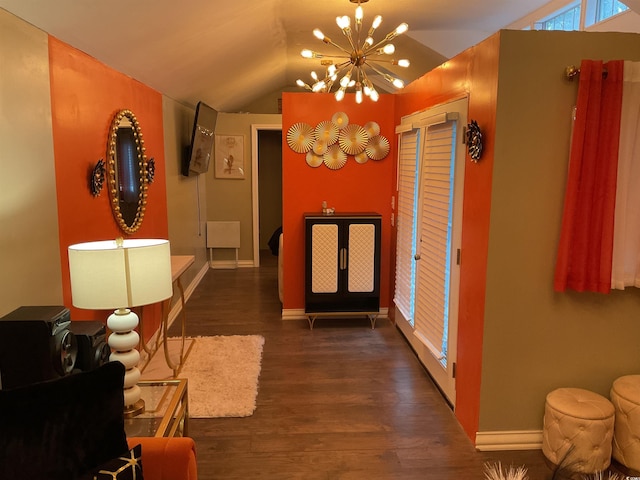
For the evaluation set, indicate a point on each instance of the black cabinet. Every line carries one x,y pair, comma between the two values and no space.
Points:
342,263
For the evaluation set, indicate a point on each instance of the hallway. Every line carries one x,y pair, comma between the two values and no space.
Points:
341,401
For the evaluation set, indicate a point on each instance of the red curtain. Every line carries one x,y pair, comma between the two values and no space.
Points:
586,240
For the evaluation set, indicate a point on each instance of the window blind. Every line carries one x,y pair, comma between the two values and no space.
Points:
435,207
405,250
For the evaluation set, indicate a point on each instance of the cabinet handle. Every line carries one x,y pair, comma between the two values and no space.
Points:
416,256
343,258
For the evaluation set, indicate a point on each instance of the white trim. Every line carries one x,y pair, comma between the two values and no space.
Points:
509,440
230,264
293,314
255,197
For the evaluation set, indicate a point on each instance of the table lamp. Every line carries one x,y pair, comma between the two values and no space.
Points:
121,274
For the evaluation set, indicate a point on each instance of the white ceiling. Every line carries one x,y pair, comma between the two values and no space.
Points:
229,54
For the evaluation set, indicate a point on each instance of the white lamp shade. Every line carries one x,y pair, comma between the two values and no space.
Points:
105,275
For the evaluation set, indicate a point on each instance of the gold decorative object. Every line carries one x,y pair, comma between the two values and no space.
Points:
96,178
377,148
128,184
351,63
300,137
314,160
361,157
372,129
353,139
335,158
340,119
327,131
319,147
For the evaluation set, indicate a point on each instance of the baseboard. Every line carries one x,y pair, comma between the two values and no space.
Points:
293,314
230,264
509,440
298,314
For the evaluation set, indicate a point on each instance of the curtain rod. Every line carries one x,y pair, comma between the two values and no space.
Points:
572,71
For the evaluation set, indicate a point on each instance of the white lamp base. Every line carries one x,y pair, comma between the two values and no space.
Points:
123,342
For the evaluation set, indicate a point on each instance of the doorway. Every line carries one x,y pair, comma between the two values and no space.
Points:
266,159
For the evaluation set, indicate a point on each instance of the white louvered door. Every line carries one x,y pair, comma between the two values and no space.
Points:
429,231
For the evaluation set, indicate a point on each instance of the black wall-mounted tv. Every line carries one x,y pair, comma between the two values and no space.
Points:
198,154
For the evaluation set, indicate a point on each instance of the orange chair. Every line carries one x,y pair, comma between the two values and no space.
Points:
167,458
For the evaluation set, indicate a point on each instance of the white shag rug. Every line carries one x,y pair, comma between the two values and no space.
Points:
223,374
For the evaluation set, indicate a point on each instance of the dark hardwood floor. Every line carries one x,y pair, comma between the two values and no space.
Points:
341,401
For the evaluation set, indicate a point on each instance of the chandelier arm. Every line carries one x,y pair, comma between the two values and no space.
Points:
385,75
331,42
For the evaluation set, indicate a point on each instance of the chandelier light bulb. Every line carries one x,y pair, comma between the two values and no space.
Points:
340,94
359,16
343,22
400,29
398,83
403,62
300,83
376,23
318,34
314,75
388,49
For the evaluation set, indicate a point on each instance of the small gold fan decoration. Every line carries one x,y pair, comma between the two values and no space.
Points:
300,137
330,142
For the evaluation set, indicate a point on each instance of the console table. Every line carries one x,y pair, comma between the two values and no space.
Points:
179,265
166,412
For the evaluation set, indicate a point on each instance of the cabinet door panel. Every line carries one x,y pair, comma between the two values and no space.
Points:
361,257
324,258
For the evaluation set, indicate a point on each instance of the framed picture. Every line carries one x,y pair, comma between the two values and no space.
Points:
229,159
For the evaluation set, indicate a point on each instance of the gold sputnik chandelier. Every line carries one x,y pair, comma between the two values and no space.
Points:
351,64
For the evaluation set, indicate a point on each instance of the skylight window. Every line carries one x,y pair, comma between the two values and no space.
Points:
566,19
579,14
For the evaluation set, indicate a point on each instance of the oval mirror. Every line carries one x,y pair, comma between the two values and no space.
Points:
127,171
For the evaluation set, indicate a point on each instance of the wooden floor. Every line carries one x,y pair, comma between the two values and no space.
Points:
341,401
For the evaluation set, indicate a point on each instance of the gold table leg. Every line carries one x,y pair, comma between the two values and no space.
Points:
165,320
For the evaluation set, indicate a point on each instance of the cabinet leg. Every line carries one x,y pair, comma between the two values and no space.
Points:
372,319
311,319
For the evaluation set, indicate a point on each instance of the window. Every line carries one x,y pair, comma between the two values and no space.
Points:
604,9
567,19
577,15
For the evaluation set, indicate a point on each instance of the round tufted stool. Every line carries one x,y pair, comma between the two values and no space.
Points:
625,395
578,430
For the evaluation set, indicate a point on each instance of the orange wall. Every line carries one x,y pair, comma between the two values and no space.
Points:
356,187
473,73
85,96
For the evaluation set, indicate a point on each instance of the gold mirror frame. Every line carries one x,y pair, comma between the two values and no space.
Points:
113,174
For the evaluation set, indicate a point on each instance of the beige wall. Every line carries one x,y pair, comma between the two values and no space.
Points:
535,339
29,246
231,199
186,196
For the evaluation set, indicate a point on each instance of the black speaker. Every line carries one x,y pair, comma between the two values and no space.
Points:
36,345
93,349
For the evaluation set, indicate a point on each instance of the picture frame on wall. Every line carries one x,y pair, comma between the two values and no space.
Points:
229,156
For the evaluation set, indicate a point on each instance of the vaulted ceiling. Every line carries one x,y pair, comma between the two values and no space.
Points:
229,54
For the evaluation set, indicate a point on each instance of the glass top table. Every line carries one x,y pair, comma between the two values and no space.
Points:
166,412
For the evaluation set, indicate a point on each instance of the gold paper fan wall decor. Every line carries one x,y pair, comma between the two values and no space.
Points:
314,160
335,158
377,147
372,129
300,137
340,119
361,157
327,131
353,139
319,146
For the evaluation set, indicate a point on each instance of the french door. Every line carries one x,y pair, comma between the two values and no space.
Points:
431,172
